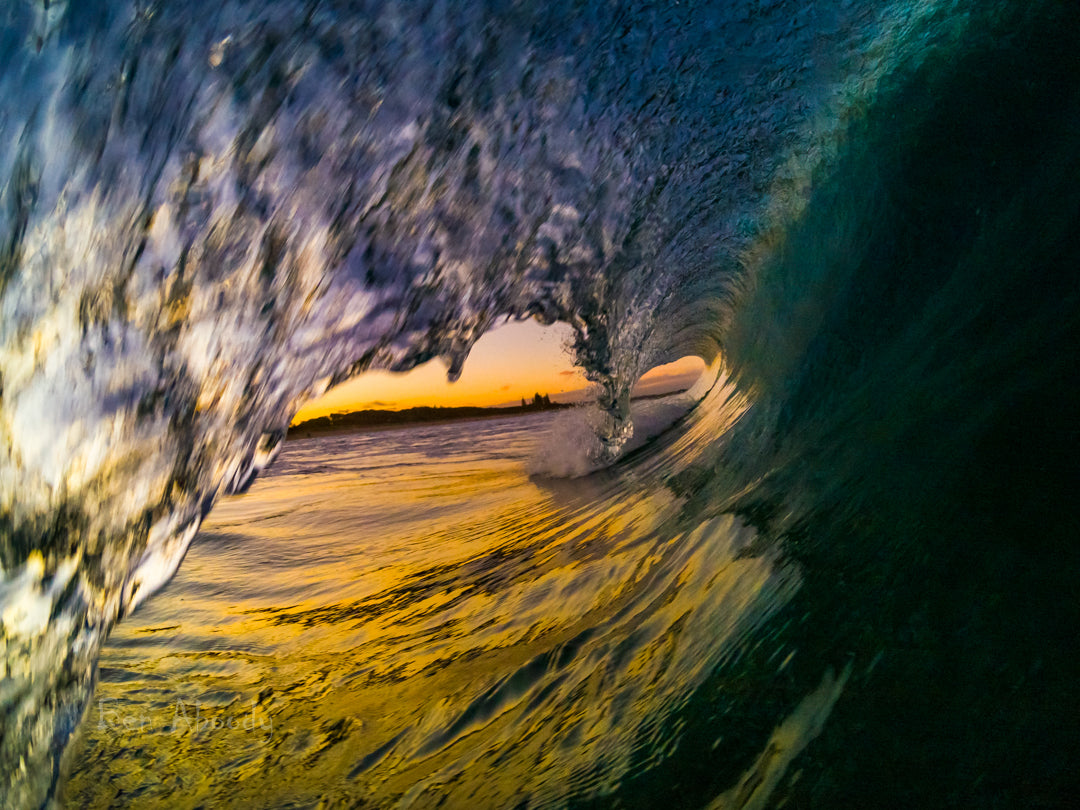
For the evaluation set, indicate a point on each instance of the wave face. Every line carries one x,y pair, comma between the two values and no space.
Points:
213,210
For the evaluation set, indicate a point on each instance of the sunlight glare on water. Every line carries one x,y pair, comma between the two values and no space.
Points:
394,603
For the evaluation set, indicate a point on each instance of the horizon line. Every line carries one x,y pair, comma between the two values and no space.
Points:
506,405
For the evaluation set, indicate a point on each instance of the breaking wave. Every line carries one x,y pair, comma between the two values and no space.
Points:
864,214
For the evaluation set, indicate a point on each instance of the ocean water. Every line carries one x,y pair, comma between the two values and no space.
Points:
845,579
420,617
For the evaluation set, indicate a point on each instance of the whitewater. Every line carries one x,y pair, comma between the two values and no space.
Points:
864,216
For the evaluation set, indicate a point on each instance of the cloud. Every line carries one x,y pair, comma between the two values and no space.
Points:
505,388
571,373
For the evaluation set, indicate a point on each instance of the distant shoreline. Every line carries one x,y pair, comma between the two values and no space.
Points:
426,414
371,419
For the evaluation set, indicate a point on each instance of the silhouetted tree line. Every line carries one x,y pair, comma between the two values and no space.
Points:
380,418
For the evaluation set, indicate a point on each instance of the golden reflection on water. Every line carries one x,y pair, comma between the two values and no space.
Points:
403,616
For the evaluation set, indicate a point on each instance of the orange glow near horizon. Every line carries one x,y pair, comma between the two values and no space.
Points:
509,363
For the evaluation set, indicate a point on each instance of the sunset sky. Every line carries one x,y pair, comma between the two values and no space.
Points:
510,362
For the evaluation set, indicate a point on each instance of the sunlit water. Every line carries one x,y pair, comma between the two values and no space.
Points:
408,616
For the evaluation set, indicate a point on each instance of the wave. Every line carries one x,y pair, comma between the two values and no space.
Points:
574,448
866,214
